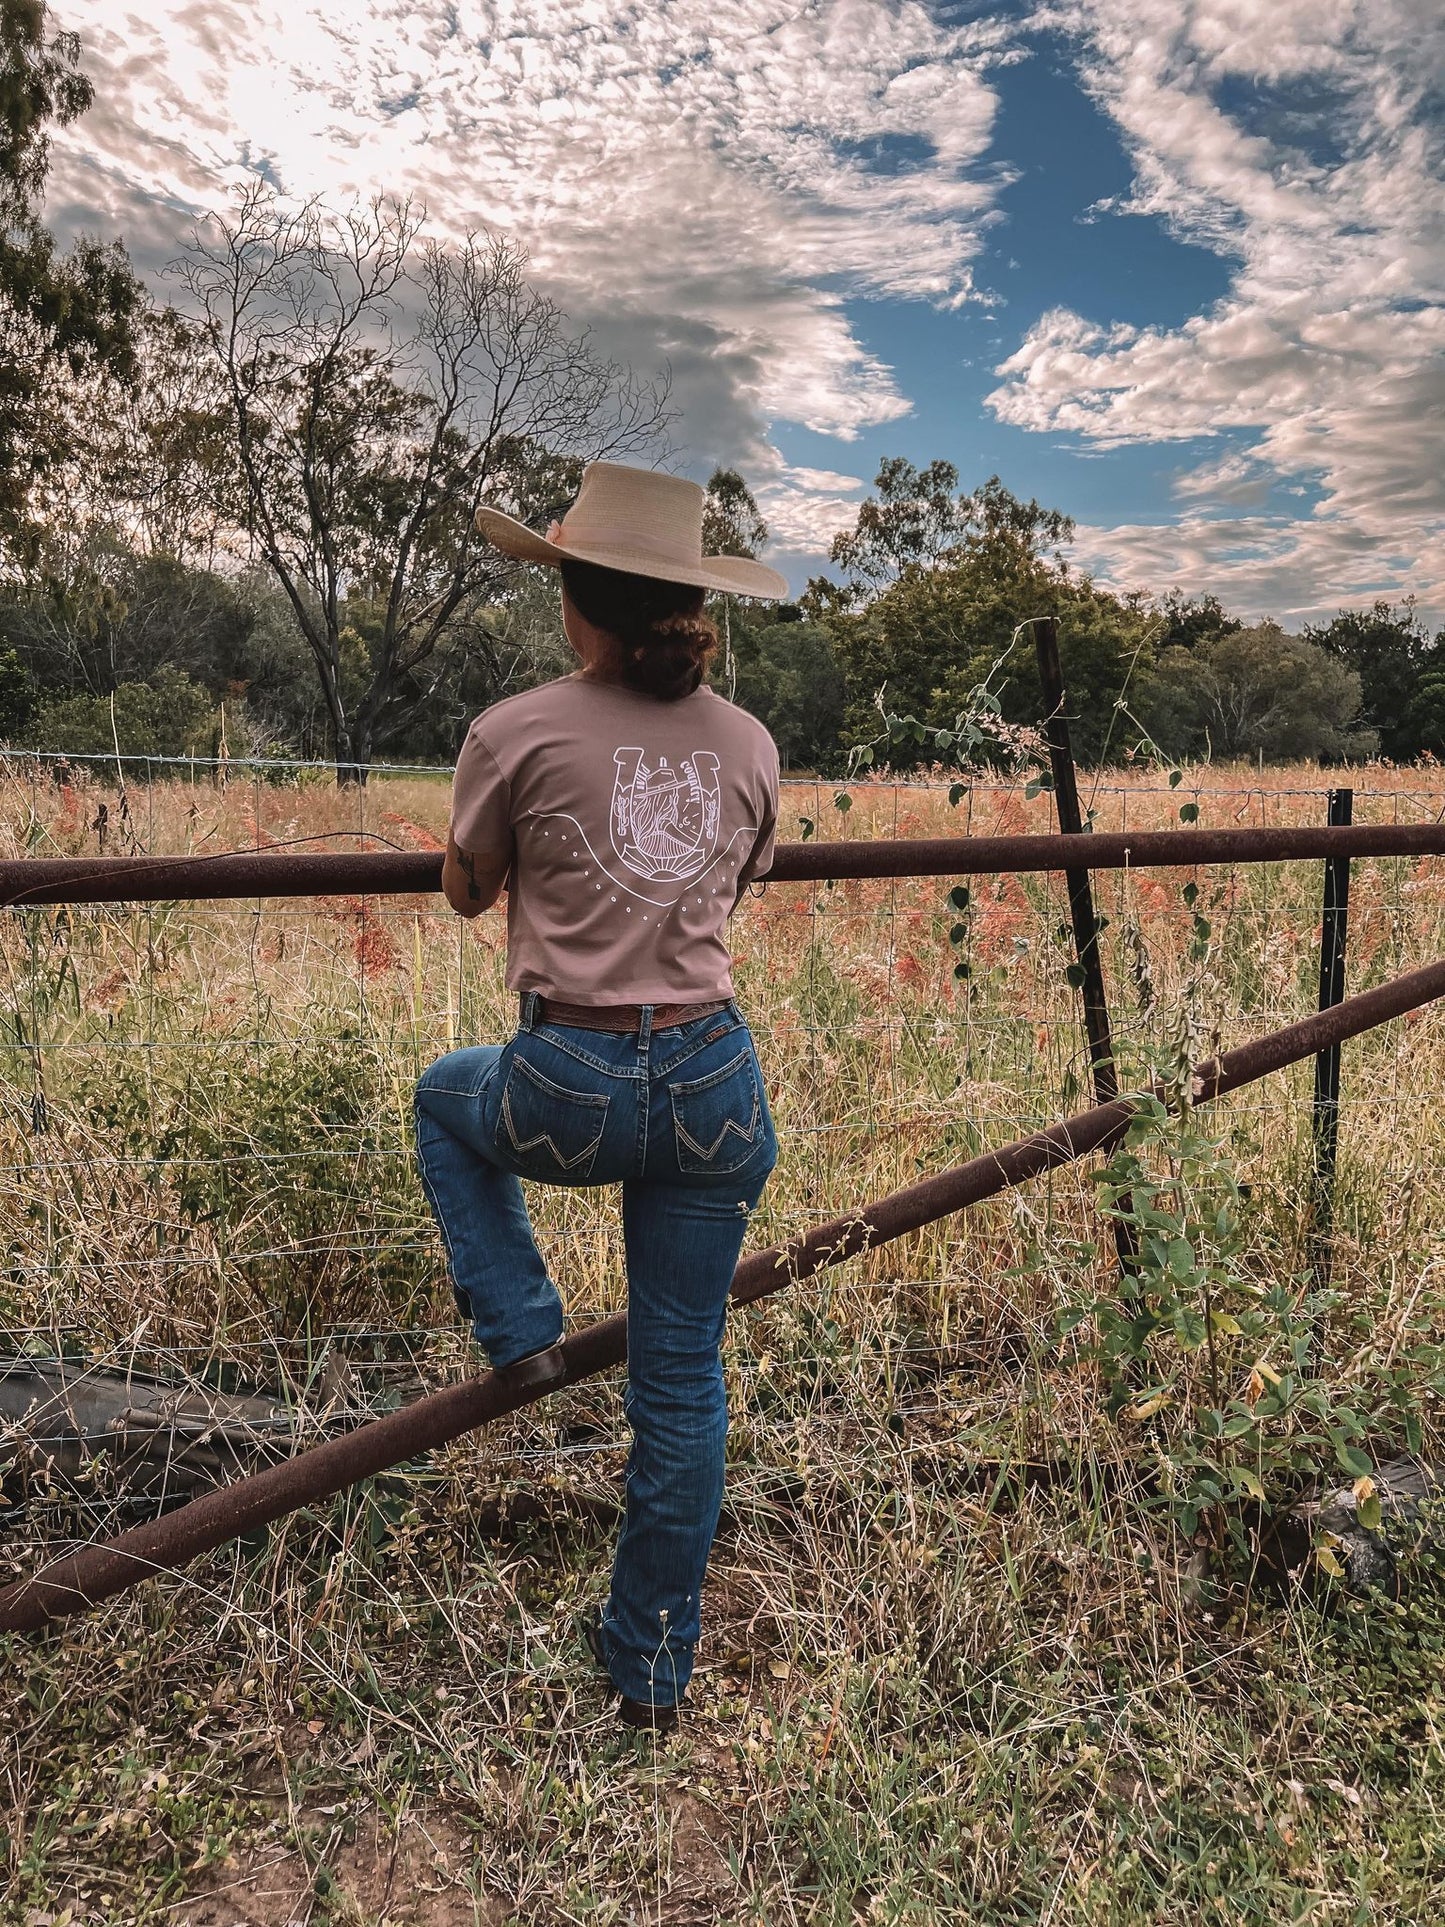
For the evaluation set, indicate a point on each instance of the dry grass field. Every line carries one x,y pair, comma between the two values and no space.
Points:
961,1662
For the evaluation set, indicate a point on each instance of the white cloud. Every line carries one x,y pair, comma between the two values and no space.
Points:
1261,565
1240,480
806,507
704,180
709,181
1329,348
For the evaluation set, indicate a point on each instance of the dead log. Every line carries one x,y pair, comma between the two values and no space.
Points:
64,1422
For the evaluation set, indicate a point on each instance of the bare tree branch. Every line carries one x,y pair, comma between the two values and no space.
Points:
379,386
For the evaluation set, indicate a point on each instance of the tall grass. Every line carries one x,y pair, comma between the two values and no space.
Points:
957,1665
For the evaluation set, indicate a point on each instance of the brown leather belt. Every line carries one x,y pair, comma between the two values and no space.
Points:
621,1018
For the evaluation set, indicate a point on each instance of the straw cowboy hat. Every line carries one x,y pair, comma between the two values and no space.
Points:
638,521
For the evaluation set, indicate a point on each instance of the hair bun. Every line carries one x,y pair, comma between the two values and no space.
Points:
663,639
695,632
669,659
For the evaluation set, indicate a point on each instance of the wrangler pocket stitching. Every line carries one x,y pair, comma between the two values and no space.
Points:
706,1156
557,1093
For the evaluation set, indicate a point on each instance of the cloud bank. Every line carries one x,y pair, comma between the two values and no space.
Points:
701,180
1304,141
708,182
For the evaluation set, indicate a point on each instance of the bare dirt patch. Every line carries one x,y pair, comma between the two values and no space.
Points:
425,1871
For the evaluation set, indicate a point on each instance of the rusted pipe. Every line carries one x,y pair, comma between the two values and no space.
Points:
82,1578
1100,850
263,873
230,873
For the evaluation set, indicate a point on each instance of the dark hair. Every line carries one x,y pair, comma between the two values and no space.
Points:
662,638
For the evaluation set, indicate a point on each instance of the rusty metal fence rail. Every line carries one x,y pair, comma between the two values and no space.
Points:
37,881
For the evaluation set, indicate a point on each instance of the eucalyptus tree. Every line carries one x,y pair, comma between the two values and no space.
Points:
166,478
936,585
1401,669
380,384
732,523
917,518
1257,691
62,315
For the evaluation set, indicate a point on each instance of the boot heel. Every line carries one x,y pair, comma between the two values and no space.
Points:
537,1372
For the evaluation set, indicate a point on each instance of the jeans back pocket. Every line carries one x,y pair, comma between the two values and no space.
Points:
548,1131
718,1120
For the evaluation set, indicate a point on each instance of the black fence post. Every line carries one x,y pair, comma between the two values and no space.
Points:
1325,1118
1081,898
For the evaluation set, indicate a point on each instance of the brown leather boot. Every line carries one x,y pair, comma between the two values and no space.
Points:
638,1713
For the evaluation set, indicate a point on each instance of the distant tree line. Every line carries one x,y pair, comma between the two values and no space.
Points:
243,519
932,585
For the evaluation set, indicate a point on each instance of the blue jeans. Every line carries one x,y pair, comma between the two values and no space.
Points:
679,1118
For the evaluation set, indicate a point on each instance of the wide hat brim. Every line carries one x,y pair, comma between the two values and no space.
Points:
723,574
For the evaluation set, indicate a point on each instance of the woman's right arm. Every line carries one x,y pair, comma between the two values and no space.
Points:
475,871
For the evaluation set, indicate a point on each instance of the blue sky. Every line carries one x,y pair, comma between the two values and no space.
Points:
1174,266
1051,246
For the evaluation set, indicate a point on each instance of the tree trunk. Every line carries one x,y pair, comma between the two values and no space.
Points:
353,756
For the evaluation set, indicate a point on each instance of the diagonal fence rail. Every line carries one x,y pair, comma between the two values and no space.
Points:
96,1572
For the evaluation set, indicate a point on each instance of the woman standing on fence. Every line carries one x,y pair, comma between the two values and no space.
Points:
623,809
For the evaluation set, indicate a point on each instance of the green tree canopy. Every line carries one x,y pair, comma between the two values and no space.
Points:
168,716
787,675
61,315
946,622
1255,691
917,520
123,617
1191,619
731,521
1401,674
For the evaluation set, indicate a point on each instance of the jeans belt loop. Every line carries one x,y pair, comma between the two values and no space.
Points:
644,1030
528,1014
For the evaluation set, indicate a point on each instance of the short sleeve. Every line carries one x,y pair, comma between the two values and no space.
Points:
760,861
481,802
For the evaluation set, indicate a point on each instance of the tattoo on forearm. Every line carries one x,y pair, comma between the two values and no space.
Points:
467,863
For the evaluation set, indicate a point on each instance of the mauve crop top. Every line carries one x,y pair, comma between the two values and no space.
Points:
629,827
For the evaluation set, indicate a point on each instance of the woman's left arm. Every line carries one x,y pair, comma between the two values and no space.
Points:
760,857
472,883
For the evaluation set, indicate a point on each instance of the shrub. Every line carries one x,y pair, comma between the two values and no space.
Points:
1217,1361
290,1167
171,716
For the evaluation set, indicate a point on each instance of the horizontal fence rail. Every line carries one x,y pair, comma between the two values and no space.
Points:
95,1572
34,881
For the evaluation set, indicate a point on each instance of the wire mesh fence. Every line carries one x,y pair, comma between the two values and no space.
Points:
206,1107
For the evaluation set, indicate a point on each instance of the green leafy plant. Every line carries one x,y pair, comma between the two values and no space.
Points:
1211,1351
292,1166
